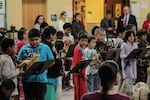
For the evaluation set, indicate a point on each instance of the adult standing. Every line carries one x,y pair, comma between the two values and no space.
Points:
61,21
77,25
127,18
146,26
38,21
108,23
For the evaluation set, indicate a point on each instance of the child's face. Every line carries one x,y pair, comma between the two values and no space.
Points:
100,36
131,38
83,42
123,35
67,31
144,37
25,35
53,37
34,41
7,92
92,44
12,50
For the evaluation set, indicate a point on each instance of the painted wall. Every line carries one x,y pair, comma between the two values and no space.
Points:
56,7
94,13
14,13
144,6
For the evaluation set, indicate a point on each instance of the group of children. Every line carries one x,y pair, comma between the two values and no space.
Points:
44,86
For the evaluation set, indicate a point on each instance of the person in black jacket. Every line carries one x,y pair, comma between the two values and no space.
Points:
126,19
108,23
143,64
48,37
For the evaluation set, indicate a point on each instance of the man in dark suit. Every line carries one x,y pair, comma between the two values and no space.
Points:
126,19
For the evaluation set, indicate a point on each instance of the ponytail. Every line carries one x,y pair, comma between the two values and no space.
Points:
107,72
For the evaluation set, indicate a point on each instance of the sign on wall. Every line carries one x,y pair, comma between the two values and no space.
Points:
2,13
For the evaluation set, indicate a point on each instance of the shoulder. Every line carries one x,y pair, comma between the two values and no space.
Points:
43,46
123,96
5,57
131,15
91,96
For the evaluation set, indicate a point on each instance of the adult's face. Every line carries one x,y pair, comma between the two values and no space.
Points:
126,10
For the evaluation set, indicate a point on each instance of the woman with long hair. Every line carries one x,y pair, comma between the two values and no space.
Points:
108,73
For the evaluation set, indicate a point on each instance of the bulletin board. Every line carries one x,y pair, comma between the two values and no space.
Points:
3,13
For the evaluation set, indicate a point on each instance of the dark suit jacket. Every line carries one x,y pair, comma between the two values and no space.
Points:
132,20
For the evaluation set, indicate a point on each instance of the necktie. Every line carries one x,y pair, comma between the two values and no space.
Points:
125,21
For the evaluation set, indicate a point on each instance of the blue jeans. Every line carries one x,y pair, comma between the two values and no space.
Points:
93,83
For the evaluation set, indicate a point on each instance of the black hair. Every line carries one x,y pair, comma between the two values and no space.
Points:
59,35
93,29
6,43
49,30
128,34
75,16
34,33
8,84
120,30
107,72
21,33
43,25
82,35
37,18
108,12
90,38
141,32
67,25
62,13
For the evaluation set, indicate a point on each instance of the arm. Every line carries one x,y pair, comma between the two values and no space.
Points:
74,32
135,22
9,70
144,26
123,53
49,54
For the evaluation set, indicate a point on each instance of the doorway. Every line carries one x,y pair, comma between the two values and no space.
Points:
31,9
115,6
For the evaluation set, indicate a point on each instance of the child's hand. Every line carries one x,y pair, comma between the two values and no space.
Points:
85,77
27,61
21,71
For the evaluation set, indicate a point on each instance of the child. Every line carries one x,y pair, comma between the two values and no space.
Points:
22,38
8,68
67,38
129,68
42,27
91,72
120,38
77,57
101,47
35,86
143,64
49,35
6,89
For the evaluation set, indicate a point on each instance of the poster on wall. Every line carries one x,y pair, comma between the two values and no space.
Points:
2,6
2,21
